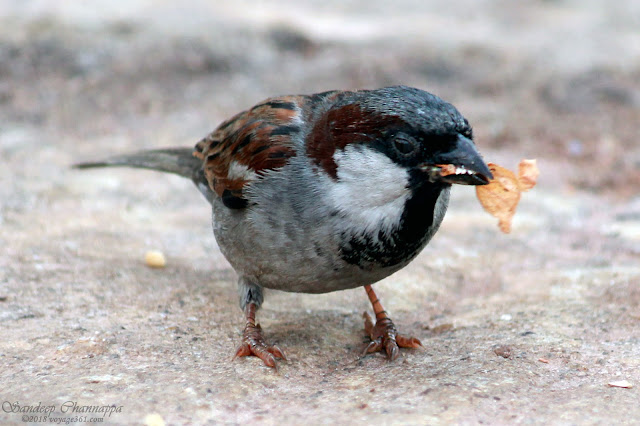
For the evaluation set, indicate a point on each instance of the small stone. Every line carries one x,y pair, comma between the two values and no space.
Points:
155,259
503,351
153,419
620,384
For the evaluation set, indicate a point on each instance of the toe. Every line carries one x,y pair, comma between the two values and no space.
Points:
408,342
374,346
253,344
385,338
266,357
243,350
368,324
277,352
391,348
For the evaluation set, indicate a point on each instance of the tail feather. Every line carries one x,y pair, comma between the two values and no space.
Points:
179,161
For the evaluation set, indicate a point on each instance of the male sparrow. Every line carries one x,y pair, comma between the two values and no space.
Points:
326,192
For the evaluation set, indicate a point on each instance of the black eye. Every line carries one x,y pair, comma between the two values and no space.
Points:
405,145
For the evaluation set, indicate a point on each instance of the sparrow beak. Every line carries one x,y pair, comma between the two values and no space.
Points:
462,165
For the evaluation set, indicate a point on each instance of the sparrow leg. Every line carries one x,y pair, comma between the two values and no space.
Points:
383,333
253,342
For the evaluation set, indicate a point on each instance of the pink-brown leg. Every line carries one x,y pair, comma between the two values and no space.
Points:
383,333
253,342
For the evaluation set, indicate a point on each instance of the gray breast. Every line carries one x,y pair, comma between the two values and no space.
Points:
290,239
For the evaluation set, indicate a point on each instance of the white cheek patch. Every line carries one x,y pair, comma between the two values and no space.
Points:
371,189
240,171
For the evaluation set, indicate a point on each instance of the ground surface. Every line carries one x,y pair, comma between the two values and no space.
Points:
522,328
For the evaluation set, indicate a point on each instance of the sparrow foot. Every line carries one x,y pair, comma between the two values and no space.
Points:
384,336
383,333
253,342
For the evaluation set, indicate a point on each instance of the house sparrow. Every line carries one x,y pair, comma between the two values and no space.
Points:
326,192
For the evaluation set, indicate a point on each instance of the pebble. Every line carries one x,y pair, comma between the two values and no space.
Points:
155,259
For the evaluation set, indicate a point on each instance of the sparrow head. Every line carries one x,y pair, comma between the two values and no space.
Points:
415,129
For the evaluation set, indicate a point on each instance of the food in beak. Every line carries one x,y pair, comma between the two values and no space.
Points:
501,196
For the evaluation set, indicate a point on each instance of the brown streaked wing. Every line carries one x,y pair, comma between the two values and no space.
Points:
242,148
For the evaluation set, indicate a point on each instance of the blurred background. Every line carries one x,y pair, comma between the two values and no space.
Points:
84,319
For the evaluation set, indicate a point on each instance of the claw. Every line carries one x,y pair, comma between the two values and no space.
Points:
408,342
368,323
277,352
391,347
374,346
243,350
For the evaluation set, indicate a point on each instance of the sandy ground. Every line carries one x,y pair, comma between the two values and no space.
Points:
526,328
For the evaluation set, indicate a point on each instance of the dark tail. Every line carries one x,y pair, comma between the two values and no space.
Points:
179,161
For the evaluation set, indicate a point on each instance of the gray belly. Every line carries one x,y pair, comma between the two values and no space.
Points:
264,248
274,256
